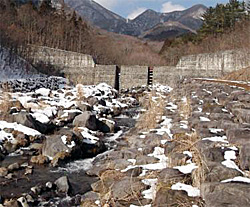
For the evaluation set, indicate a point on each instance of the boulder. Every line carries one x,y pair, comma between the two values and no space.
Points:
245,157
84,106
54,145
238,136
216,172
86,119
218,194
62,184
167,197
3,171
13,167
106,125
27,120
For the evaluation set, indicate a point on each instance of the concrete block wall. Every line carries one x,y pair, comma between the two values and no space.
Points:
132,76
107,74
81,68
225,61
165,75
85,75
59,58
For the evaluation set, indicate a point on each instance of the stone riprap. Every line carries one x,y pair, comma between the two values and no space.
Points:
197,155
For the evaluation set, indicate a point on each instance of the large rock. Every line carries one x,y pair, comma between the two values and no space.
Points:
62,184
226,194
27,120
243,115
239,136
106,125
86,119
54,145
3,171
245,157
65,141
165,197
215,172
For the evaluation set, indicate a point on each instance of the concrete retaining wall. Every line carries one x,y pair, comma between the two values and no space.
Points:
132,76
106,74
225,61
59,58
81,68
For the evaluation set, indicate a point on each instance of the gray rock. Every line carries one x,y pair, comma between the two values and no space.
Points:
170,175
14,166
106,125
245,157
62,184
53,145
127,188
86,119
216,172
3,171
226,194
239,136
27,120
165,197
84,107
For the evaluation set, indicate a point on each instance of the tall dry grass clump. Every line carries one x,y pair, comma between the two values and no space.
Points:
188,142
154,106
185,108
5,104
80,93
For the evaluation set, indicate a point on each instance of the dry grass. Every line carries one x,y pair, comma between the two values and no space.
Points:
5,104
188,143
154,106
239,75
185,108
80,93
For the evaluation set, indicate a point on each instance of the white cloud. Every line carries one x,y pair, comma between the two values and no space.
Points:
170,7
136,13
109,4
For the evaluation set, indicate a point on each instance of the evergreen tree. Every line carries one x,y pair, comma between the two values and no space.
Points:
46,7
222,17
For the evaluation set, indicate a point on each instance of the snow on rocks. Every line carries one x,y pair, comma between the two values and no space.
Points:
150,193
18,127
186,169
237,179
191,191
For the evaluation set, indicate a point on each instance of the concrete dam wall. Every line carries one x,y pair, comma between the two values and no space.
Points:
82,69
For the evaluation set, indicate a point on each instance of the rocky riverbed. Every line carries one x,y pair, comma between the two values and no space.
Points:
89,146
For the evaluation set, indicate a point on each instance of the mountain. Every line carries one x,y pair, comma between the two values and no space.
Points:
188,20
98,15
166,29
148,20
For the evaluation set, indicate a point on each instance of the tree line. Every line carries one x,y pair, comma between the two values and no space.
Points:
225,27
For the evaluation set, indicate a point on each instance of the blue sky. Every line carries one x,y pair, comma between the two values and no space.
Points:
131,8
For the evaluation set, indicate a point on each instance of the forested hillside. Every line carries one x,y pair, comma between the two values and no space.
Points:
45,26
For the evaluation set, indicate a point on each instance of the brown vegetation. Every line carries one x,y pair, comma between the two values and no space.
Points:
154,107
44,26
239,75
